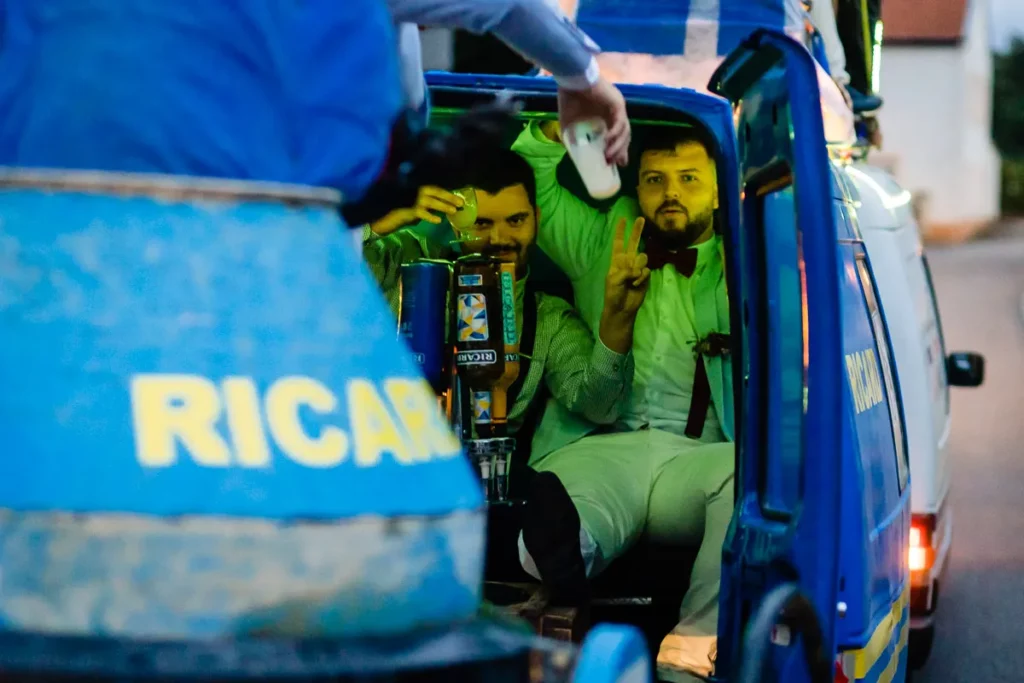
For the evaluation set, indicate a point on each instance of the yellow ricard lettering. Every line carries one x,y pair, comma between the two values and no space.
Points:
865,381
232,425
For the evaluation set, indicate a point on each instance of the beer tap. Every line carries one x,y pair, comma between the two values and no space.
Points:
487,361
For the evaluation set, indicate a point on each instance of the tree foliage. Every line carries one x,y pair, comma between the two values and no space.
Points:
1008,100
1008,124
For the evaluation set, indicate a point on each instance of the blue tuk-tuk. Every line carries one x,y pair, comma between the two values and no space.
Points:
219,462
819,539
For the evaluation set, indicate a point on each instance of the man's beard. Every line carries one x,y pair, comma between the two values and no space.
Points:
511,254
681,238
503,253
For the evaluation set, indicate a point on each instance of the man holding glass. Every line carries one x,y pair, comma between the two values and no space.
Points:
590,377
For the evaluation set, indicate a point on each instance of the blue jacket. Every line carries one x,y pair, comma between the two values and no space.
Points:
301,92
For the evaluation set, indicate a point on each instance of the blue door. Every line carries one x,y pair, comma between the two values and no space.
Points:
787,522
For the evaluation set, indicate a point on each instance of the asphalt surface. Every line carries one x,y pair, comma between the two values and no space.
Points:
980,627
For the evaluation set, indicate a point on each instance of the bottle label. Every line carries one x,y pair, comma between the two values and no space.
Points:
482,407
472,316
484,357
471,280
508,308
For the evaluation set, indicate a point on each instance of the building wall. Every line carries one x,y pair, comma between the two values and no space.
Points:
981,158
936,123
921,122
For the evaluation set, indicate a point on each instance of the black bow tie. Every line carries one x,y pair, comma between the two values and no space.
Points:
659,255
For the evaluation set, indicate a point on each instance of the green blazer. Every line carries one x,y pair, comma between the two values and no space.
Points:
578,238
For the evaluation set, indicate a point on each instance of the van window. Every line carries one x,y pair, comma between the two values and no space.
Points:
785,287
888,370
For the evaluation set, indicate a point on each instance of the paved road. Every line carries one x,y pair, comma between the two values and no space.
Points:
980,635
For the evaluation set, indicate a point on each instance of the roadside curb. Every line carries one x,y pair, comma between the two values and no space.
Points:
1001,228
951,235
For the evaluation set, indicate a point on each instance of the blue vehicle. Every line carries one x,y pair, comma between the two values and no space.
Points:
818,544
216,475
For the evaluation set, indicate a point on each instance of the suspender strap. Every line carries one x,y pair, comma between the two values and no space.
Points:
699,401
715,344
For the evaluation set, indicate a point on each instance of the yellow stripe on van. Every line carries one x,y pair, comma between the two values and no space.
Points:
889,674
857,663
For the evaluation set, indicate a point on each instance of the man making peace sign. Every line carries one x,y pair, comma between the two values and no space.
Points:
588,374
665,468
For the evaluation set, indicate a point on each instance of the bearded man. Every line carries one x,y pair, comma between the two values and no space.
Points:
665,467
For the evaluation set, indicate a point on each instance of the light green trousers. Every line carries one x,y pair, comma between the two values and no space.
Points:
674,489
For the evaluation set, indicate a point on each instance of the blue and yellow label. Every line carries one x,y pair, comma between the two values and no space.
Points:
482,407
472,318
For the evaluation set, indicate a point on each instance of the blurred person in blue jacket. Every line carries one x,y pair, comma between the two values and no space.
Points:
271,90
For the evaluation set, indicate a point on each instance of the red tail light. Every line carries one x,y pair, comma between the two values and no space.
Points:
920,554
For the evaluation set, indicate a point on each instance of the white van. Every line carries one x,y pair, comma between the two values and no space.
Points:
925,374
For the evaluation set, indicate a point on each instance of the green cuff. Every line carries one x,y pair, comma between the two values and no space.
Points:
533,142
609,363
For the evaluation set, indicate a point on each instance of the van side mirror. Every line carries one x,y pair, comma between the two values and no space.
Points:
965,369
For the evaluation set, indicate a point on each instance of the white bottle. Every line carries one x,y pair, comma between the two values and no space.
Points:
585,142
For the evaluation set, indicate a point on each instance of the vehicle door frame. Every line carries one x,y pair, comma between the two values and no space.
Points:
765,550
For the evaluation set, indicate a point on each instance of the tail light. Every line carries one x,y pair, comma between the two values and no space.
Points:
921,554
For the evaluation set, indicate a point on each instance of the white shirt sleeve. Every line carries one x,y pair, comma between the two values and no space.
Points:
536,29
824,19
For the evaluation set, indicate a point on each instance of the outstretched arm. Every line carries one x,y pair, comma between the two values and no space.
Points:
536,30
571,231
545,36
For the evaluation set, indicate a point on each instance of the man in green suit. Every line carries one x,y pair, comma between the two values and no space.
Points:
665,468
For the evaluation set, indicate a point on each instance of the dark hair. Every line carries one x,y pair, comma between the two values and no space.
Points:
497,169
670,137
649,137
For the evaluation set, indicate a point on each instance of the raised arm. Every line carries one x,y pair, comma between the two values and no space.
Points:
594,377
389,242
571,231
581,372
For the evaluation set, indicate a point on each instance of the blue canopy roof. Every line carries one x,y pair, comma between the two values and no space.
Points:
682,27
680,43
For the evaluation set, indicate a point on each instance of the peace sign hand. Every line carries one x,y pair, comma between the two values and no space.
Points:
628,277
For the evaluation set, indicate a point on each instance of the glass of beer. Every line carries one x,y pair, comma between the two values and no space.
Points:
465,218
